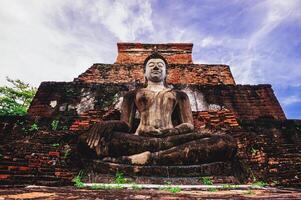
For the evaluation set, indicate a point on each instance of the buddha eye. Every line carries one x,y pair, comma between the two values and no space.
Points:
151,64
160,65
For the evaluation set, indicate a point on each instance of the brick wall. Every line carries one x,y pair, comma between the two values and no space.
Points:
269,150
42,156
246,101
132,53
177,74
73,99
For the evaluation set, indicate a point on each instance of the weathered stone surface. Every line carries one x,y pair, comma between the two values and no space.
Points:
53,193
270,150
210,169
245,101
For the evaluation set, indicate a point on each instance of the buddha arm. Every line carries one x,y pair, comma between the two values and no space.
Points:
185,113
128,109
101,132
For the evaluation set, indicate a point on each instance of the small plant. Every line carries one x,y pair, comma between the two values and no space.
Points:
254,151
250,192
206,180
229,186
34,127
274,183
54,125
136,187
174,189
78,180
55,145
260,184
212,189
105,187
170,188
20,123
66,153
119,178
101,187
96,187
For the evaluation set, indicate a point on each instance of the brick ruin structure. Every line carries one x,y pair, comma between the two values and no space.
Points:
40,148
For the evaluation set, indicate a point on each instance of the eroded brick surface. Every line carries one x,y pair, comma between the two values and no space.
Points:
177,74
132,53
245,101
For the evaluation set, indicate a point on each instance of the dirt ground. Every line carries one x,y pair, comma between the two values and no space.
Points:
76,193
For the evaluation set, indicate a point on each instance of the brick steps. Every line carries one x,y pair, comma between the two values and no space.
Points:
36,161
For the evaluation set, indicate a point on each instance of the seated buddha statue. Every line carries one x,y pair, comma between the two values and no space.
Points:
165,135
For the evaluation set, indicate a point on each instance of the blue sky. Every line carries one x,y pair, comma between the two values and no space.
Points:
42,40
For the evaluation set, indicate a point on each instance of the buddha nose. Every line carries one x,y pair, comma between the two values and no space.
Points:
156,68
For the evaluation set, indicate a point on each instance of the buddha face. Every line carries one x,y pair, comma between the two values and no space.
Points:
155,70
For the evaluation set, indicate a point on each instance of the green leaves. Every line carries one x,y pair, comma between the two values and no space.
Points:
206,180
119,178
54,125
15,100
77,180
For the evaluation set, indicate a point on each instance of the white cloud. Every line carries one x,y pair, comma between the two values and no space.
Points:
210,42
32,49
291,100
253,58
56,40
125,19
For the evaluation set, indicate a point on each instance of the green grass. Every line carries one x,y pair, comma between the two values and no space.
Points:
105,187
67,153
206,180
250,192
34,127
119,178
55,145
136,187
172,189
260,184
96,187
54,125
212,189
229,186
169,188
78,180
253,150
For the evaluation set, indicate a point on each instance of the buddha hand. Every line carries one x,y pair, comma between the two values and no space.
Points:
100,133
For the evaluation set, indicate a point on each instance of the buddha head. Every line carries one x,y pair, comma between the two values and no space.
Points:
155,68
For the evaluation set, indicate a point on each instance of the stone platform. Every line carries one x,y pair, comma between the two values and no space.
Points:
77,193
211,169
219,172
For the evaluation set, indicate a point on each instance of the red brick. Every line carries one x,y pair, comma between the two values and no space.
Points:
4,176
54,153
